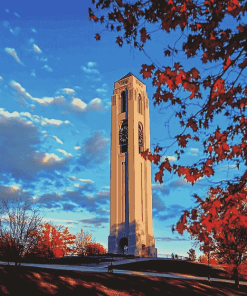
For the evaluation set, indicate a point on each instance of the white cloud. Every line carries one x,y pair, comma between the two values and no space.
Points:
21,90
77,148
46,101
47,68
1,78
171,158
89,70
12,52
91,64
54,122
57,140
101,90
68,91
194,151
95,105
36,48
18,154
78,105
51,159
62,151
88,181
44,121
66,122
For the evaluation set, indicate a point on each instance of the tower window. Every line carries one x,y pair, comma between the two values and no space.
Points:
140,137
139,104
123,102
123,137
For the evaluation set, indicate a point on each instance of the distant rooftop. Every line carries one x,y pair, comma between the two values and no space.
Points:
128,75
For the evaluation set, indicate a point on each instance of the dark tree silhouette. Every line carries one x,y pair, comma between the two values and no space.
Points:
20,226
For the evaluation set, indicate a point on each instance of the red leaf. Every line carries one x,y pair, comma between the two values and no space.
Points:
193,124
158,177
147,71
119,41
180,227
194,214
144,35
97,37
227,63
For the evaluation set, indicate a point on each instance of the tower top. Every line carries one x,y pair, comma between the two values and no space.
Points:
128,75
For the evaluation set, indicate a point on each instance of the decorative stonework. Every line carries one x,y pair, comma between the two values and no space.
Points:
121,82
113,100
139,83
130,94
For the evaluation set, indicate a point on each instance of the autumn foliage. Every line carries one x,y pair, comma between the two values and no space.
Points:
219,224
95,249
205,37
54,243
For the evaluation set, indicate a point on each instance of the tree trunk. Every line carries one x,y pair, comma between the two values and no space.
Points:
236,277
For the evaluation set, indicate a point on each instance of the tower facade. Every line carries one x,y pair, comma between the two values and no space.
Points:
130,188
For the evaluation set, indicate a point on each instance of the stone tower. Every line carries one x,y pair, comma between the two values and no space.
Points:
130,188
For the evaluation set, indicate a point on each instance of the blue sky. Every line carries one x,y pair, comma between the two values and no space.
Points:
56,83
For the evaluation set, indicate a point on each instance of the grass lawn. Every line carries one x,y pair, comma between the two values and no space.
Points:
40,281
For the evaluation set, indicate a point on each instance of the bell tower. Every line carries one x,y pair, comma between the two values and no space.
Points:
130,188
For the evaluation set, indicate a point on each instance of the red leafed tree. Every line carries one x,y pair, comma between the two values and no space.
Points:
94,249
54,243
219,224
212,34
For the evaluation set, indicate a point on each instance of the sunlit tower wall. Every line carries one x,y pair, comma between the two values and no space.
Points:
130,184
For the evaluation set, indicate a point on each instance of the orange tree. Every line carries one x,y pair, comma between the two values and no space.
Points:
53,242
213,35
219,224
94,249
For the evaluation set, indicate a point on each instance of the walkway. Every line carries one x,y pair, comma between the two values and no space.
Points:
102,267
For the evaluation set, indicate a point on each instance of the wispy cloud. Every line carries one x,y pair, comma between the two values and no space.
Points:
36,49
58,140
15,31
88,181
12,52
194,151
171,158
94,222
171,239
47,68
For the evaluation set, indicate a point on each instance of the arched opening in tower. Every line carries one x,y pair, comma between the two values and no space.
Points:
123,243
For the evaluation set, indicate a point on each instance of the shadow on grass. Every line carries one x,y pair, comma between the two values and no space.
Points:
179,267
40,281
